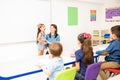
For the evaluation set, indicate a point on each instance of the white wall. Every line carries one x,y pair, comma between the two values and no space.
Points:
18,19
69,33
109,4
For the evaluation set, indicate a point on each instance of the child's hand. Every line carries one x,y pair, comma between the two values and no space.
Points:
100,52
39,65
105,53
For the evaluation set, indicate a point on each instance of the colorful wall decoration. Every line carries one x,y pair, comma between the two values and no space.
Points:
92,15
112,14
72,16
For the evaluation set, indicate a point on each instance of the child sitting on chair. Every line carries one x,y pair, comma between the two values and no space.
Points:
112,52
84,55
56,64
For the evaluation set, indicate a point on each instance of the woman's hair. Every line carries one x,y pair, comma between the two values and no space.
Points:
39,26
116,30
55,48
55,26
85,40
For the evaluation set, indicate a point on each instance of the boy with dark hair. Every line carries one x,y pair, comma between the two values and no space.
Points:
112,52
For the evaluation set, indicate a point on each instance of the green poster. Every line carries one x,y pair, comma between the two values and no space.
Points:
72,16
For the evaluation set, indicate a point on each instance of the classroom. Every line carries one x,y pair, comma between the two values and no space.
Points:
21,19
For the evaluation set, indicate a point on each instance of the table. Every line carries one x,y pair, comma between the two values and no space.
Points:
24,67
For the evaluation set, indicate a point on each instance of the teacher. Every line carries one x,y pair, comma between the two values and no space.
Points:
53,36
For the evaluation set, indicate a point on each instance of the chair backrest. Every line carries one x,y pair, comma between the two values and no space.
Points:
67,74
92,71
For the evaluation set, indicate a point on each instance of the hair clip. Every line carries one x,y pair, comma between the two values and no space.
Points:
86,35
39,25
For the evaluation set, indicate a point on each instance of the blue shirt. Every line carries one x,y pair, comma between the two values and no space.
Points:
56,65
52,38
114,51
80,58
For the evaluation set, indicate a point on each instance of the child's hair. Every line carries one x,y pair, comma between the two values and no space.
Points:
55,48
85,40
116,30
39,26
55,26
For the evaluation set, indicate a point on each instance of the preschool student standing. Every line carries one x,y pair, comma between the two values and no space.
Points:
41,39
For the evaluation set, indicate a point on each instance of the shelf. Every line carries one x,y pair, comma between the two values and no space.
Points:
107,39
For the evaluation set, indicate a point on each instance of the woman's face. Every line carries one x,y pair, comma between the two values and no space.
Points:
52,29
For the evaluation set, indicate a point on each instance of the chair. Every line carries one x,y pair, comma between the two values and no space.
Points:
67,74
113,70
92,71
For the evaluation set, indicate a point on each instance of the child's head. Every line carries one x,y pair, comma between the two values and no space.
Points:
84,37
115,32
55,48
84,40
41,27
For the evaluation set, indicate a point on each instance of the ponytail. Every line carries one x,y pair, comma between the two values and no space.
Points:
86,47
87,51
38,34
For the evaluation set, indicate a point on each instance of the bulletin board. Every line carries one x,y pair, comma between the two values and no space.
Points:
112,14
72,16
92,15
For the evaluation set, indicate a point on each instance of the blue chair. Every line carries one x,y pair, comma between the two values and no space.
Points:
92,71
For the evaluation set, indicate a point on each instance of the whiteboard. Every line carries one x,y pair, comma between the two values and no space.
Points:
18,19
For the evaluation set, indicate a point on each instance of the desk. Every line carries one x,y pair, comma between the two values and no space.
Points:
24,67
96,48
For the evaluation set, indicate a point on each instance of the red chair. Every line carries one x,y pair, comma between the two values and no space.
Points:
115,71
